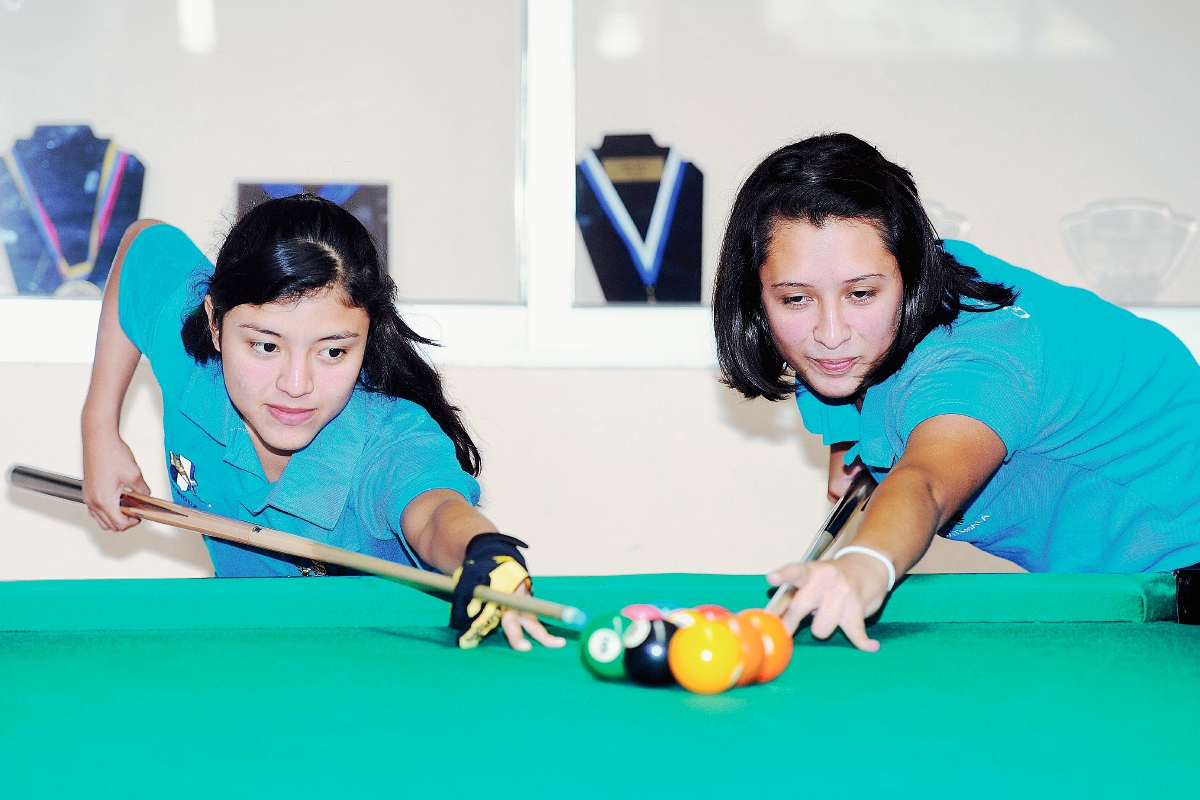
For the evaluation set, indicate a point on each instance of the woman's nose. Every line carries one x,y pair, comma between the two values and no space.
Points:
832,330
296,380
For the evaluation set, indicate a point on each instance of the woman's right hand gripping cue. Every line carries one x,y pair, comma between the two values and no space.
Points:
839,594
108,470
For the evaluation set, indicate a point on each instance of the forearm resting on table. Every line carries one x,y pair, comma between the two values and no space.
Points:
438,524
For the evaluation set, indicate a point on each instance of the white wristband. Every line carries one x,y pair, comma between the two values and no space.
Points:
866,551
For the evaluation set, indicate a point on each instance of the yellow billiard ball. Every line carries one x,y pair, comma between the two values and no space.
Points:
706,657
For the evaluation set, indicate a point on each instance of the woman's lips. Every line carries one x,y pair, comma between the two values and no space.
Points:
291,416
834,366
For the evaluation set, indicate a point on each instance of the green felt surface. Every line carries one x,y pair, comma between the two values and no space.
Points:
368,701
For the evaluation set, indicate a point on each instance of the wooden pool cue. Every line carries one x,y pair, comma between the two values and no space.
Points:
841,526
145,507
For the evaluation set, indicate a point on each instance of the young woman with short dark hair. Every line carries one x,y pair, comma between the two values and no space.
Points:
993,405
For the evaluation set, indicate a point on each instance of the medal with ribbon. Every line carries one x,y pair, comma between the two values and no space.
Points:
112,172
646,252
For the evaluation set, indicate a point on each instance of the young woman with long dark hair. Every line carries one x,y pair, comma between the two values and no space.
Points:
294,396
993,405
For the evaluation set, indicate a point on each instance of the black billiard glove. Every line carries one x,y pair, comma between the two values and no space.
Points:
492,559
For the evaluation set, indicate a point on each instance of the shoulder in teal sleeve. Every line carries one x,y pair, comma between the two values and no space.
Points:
161,279
987,365
1097,409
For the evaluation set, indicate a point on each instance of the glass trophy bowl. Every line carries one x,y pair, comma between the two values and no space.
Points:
1129,249
948,224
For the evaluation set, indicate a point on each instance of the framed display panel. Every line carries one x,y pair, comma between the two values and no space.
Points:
66,198
549,330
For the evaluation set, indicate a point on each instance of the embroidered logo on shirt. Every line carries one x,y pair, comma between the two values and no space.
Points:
317,570
183,474
971,527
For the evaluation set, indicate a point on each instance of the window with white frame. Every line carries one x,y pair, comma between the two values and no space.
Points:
1012,114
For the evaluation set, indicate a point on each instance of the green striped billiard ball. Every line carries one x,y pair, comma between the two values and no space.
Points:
601,648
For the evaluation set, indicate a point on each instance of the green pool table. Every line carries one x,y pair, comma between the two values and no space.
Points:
986,686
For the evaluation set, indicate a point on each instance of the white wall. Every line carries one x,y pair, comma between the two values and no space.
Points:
1056,104
601,471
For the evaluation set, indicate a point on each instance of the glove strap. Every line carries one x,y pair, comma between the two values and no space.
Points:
484,545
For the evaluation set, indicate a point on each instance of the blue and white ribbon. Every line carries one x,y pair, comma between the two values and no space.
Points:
647,253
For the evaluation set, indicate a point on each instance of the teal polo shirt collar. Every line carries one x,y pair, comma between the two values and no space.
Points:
206,403
842,422
316,483
875,447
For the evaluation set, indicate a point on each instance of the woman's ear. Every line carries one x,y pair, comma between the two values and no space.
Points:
213,330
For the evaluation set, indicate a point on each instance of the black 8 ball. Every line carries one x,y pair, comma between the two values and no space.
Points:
646,652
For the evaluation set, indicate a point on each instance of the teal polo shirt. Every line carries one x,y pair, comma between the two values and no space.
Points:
1099,411
347,488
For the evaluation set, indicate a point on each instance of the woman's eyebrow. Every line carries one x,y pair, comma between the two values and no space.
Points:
847,282
266,331
330,337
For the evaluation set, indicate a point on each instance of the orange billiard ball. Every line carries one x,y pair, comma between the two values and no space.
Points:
777,644
753,648
706,658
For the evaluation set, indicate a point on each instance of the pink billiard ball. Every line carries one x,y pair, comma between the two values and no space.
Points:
641,612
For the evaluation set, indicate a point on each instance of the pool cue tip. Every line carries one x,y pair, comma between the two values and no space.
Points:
574,616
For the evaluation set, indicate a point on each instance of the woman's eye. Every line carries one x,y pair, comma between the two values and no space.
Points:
795,299
264,347
334,352
862,294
